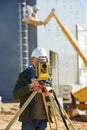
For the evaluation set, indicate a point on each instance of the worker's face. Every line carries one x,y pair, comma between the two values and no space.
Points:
36,60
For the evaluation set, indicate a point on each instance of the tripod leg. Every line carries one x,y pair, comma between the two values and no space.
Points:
62,109
53,113
20,110
72,126
44,100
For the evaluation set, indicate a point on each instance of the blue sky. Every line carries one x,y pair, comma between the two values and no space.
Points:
84,2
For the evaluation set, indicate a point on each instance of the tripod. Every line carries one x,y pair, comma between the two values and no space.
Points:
28,101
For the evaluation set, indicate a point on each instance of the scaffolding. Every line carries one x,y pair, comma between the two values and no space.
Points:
24,46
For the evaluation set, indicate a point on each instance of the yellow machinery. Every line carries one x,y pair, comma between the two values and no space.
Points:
81,95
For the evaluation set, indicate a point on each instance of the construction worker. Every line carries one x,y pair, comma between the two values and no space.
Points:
27,12
34,116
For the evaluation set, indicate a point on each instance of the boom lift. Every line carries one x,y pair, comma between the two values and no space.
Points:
81,95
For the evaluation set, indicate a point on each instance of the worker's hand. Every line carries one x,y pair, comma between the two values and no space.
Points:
34,84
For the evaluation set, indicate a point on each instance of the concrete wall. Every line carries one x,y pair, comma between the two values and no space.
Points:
9,47
52,38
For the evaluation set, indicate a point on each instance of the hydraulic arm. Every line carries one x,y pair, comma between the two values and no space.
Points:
65,30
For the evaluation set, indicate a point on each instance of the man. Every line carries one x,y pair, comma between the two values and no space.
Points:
34,116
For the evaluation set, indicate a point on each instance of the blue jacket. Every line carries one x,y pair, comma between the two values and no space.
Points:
21,91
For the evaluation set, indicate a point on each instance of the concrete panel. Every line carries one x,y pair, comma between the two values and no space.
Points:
9,47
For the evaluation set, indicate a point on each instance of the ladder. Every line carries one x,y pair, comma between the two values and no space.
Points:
24,47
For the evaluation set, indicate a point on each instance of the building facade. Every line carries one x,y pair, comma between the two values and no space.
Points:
19,39
9,47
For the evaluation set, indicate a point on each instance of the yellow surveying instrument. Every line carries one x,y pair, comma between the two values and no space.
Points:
43,70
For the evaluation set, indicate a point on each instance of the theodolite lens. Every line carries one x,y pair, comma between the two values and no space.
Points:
44,66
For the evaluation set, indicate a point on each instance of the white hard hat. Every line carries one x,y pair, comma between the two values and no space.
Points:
39,52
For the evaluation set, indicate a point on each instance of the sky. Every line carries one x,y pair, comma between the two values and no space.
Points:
84,2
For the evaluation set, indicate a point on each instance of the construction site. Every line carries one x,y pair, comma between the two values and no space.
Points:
61,28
